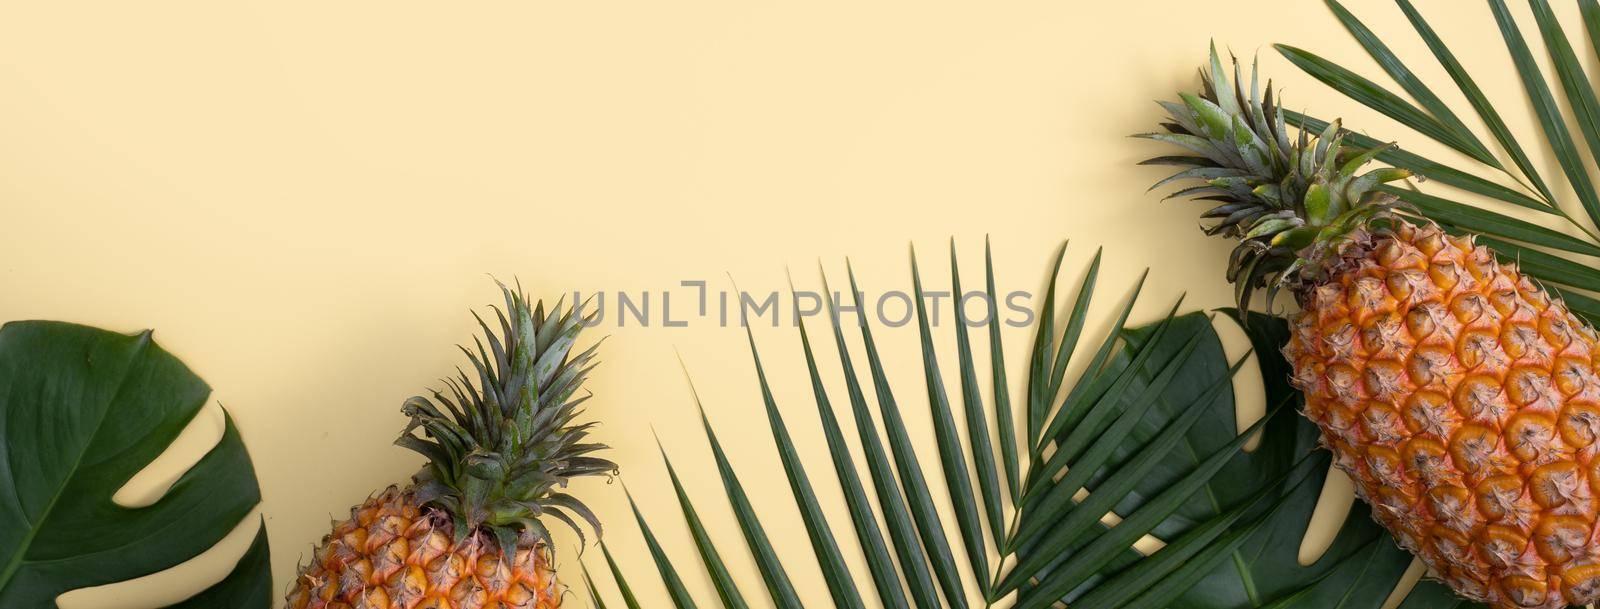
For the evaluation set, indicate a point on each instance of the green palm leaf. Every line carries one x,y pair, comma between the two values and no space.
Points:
669,575
923,512
1543,252
908,548
628,599
779,587
720,578
951,455
1150,435
840,582
983,452
884,576
1546,108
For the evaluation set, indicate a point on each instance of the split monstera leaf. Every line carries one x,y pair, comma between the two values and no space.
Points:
82,411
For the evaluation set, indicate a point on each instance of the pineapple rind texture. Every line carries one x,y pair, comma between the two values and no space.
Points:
393,553
1462,400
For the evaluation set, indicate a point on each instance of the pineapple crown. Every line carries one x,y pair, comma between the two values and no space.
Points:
502,444
1293,203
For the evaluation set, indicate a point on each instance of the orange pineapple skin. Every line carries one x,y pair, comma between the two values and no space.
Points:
1462,400
392,553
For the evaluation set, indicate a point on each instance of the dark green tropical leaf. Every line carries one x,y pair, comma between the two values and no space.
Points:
1039,367
907,465
884,576
840,583
983,452
1154,440
1005,419
616,574
1469,88
892,506
1376,97
1090,446
952,456
1514,239
669,574
1548,111
84,410
1253,563
1079,566
593,590
720,578
1411,83
779,587
1570,72
248,584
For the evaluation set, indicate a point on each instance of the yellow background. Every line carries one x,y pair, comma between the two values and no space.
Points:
304,199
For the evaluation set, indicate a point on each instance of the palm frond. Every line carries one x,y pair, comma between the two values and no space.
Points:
1146,438
1544,253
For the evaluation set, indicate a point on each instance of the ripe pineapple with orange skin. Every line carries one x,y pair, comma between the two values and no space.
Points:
1463,402
393,553
466,534
1459,395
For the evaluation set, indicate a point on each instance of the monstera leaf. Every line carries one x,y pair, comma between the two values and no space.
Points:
81,412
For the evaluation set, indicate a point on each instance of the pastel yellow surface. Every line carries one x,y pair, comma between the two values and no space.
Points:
305,199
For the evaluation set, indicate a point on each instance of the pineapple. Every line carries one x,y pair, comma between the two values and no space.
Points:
1459,396
466,533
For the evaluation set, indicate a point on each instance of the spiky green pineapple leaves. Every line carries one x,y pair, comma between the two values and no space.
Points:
503,441
1292,202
